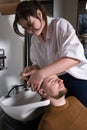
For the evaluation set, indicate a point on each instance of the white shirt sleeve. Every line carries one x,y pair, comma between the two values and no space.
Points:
68,42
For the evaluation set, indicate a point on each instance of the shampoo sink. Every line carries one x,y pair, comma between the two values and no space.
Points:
23,106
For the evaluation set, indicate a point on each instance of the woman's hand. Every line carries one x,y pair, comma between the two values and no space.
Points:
29,70
36,80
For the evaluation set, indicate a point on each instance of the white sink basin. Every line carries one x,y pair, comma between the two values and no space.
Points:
23,106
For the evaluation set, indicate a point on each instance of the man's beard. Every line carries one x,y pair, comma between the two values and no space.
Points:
61,93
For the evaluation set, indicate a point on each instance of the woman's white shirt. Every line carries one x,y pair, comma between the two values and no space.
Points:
61,41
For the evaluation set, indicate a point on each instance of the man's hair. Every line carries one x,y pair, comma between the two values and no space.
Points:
25,9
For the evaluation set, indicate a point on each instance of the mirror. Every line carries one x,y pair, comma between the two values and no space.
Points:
82,23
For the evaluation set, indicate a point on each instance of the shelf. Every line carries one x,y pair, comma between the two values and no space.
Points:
2,57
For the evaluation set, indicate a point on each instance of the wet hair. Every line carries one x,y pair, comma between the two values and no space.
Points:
25,9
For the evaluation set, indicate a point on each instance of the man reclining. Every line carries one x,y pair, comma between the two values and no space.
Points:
62,113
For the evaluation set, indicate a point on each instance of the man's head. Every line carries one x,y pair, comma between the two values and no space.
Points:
52,87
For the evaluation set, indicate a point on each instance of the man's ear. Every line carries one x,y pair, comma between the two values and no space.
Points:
39,13
42,93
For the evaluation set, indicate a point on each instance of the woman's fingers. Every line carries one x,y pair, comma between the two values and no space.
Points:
26,76
35,86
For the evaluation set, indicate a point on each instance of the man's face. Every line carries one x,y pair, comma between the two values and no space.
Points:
54,87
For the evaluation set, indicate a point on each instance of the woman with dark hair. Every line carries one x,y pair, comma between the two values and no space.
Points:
24,11
55,49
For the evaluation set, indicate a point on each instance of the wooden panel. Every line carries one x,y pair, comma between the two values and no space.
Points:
8,7
8,1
